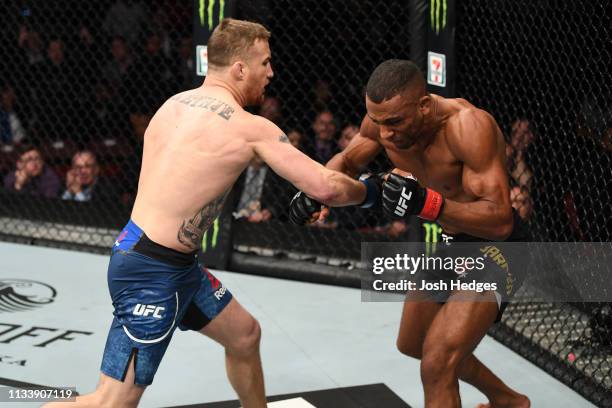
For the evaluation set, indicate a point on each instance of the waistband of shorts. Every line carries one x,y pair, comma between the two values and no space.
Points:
152,249
133,238
520,232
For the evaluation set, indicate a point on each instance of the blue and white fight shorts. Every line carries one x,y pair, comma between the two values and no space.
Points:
154,290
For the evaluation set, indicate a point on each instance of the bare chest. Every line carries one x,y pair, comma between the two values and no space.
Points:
436,168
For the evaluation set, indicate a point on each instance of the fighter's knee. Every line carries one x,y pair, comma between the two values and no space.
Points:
408,348
247,342
438,362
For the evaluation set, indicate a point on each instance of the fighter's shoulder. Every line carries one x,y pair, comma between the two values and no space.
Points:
255,127
469,122
369,129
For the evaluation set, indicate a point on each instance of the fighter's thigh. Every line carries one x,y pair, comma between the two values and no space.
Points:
458,327
215,313
417,316
234,328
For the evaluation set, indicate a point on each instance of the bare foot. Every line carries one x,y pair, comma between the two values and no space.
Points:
518,401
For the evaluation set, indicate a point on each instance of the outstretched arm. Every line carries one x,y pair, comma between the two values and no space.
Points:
324,185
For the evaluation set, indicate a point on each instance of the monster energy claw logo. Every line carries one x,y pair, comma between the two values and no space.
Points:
209,13
432,233
214,238
435,8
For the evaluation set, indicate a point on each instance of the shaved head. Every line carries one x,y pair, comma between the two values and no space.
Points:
394,77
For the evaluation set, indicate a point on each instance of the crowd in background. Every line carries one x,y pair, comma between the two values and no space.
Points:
75,102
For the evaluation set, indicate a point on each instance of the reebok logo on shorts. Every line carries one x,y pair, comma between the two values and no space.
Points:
146,310
219,293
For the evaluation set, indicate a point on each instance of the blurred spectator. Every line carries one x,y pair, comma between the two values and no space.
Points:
588,177
139,121
104,116
521,201
322,95
176,13
262,194
57,99
158,23
55,52
521,137
186,64
30,43
347,134
130,169
249,204
11,128
116,70
296,138
85,48
323,146
594,119
32,175
125,19
271,110
151,77
84,183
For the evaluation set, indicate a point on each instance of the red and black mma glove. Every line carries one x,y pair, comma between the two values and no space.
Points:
404,196
303,208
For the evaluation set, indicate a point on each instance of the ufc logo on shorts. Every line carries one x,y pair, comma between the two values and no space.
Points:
401,207
146,310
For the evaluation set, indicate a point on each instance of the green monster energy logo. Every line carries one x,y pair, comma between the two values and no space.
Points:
432,232
214,238
209,12
434,14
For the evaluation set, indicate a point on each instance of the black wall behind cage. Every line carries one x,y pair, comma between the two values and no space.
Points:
78,75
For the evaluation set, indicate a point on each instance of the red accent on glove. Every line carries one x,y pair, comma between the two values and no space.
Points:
433,205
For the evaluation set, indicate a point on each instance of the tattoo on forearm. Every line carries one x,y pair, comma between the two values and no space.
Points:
205,102
283,138
191,231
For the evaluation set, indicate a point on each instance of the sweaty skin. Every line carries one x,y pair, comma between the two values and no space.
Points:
196,146
463,158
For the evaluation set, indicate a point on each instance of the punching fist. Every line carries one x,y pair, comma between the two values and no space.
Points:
303,209
403,196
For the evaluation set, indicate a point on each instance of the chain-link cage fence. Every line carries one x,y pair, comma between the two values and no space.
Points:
80,81
543,70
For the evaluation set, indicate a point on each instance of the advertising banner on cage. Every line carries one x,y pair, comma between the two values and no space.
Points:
207,14
441,47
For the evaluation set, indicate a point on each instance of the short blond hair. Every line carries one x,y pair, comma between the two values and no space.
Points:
233,38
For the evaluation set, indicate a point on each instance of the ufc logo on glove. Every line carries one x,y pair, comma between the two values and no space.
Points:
402,205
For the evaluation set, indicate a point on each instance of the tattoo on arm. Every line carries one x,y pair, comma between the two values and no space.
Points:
283,138
192,230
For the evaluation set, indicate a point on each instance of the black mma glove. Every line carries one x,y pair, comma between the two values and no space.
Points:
302,208
404,196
